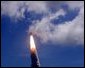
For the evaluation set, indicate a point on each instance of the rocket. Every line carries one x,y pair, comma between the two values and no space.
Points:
34,56
34,60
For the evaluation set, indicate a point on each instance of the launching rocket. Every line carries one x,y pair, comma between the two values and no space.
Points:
34,60
33,51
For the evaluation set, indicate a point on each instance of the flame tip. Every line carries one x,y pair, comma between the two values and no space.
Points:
32,43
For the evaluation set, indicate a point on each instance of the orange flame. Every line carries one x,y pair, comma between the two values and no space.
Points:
32,43
33,48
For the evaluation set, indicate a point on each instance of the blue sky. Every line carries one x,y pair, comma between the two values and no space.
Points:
62,49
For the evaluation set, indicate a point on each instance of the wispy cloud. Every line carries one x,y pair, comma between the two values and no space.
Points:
69,32
17,8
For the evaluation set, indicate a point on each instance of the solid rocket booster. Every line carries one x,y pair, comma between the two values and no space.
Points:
34,60
34,56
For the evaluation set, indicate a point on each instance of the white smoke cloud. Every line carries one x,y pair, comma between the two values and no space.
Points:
17,8
68,32
75,4
11,8
37,6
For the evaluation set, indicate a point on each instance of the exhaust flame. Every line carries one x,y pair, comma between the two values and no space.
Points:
34,56
32,43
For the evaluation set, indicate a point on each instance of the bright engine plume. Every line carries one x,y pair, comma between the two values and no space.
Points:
34,56
32,44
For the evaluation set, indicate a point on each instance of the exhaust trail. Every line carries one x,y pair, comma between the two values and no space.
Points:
34,56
